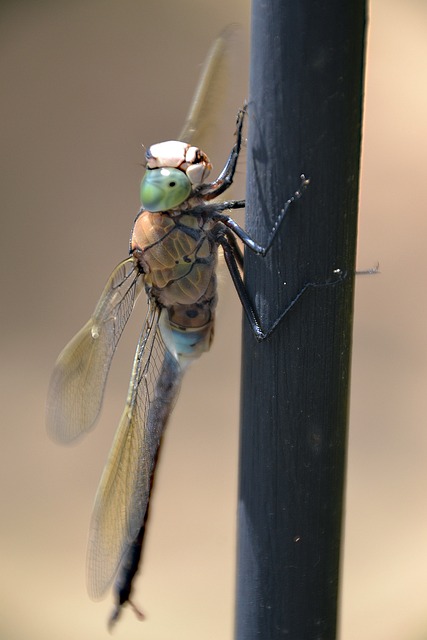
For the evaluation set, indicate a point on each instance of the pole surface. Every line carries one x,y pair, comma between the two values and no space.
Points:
305,110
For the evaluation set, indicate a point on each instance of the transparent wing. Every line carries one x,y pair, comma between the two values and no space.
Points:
78,380
212,91
124,490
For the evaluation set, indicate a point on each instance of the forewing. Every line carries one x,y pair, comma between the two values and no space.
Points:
124,490
78,380
212,92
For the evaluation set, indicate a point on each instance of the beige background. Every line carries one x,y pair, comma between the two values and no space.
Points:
84,83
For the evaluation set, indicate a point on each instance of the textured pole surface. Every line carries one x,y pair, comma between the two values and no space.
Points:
305,111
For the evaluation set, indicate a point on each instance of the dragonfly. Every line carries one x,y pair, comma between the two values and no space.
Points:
173,256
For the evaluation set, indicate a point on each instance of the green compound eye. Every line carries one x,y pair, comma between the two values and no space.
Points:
163,189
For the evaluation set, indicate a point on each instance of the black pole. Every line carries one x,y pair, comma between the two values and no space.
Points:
304,117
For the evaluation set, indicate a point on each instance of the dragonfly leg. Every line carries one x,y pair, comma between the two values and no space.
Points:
242,234
225,179
232,261
235,249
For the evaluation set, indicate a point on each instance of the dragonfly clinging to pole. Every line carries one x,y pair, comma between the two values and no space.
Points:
173,258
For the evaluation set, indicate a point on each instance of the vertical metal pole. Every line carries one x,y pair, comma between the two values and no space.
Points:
305,111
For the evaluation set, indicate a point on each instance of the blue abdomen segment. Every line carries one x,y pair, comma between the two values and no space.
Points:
185,344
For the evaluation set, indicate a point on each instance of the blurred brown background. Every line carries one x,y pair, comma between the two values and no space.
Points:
84,83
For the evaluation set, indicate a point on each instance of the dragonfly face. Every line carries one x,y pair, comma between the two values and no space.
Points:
173,168
164,189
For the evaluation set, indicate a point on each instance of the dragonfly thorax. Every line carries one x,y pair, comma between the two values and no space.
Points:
177,255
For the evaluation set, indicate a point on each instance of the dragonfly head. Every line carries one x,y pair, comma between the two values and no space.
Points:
173,168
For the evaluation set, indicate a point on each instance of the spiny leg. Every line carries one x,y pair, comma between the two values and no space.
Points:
241,233
231,260
234,258
225,179
214,212
235,248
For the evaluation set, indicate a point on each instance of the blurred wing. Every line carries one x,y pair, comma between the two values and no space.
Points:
78,380
212,92
122,499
